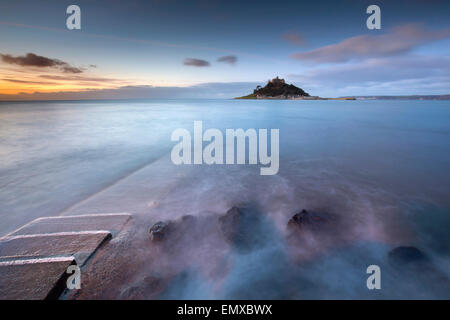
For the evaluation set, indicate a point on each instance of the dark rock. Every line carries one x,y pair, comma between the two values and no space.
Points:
159,231
407,255
174,231
230,223
246,229
306,219
414,266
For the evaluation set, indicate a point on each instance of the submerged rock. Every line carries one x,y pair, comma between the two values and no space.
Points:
159,231
405,255
230,223
306,219
246,229
175,230
413,265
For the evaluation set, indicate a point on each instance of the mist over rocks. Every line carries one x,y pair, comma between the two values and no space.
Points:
144,288
229,224
159,231
406,255
254,258
215,256
242,228
411,264
412,260
307,234
305,219
260,258
311,234
243,253
186,229
246,228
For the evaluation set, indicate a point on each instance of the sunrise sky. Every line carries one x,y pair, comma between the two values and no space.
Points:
221,49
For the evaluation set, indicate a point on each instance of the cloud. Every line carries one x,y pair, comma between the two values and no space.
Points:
294,37
399,75
80,78
33,60
401,39
228,59
69,69
26,81
196,62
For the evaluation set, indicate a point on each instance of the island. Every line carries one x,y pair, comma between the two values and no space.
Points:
278,89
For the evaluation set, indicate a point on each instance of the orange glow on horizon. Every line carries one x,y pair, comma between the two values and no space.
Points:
17,88
13,89
15,81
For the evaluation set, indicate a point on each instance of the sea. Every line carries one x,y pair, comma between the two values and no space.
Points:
382,166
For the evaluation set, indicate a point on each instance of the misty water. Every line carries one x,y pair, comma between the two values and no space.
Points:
381,167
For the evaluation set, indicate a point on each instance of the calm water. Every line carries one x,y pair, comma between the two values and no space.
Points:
382,164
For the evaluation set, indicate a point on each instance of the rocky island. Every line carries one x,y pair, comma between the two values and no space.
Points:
278,89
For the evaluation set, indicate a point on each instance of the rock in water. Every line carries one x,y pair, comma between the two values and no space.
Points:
407,255
158,231
230,223
179,230
306,219
245,229
413,265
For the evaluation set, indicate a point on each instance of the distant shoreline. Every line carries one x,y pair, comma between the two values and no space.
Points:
412,97
444,97
254,97
279,89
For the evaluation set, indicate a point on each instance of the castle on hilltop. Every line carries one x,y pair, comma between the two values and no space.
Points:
278,88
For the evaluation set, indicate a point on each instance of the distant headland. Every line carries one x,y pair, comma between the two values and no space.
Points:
278,89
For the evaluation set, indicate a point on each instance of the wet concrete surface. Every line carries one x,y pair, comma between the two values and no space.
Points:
79,245
34,259
34,279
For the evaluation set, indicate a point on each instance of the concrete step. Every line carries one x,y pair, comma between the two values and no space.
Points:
34,279
34,258
112,222
80,245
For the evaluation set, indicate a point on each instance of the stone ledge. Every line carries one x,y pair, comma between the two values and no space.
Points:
34,279
81,245
113,222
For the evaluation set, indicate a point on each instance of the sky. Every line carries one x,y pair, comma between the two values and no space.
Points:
221,49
